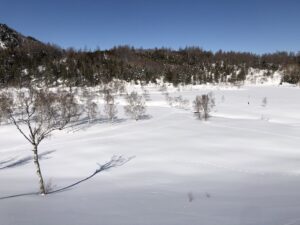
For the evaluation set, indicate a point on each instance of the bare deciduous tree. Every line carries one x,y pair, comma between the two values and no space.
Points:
110,108
91,107
203,105
135,107
92,110
36,114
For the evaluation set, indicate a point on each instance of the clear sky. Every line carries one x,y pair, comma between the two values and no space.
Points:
255,25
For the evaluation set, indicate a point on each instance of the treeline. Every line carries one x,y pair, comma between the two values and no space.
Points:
51,66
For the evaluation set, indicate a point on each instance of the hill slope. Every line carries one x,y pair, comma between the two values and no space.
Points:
52,66
10,38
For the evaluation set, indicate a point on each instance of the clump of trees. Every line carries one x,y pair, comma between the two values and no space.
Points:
292,74
203,104
36,113
136,107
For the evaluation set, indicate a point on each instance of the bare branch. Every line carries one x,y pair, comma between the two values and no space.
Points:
19,129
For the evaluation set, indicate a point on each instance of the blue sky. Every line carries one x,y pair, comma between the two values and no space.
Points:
257,26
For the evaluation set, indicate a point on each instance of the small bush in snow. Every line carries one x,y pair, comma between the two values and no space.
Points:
178,102
135,107
203,105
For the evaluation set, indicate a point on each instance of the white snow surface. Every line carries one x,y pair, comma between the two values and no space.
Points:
241,167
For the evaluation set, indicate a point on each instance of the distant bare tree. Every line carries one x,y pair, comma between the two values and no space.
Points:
264,102
92,109
135,107
203,105
36,114
198,106
110,108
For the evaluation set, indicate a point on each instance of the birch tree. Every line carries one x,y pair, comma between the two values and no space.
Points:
36,114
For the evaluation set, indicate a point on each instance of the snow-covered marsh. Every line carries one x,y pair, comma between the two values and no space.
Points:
242,166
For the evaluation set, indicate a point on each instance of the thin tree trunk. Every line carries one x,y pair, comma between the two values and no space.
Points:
38,170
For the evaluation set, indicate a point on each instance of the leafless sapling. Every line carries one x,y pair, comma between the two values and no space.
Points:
36,113
203,104
110,108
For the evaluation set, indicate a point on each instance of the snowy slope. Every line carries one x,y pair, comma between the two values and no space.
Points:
240,167
259,77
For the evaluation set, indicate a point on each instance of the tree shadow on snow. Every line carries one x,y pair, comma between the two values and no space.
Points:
15,162
145,117
85,123
115,161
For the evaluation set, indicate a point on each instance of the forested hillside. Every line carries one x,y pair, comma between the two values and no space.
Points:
24,60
